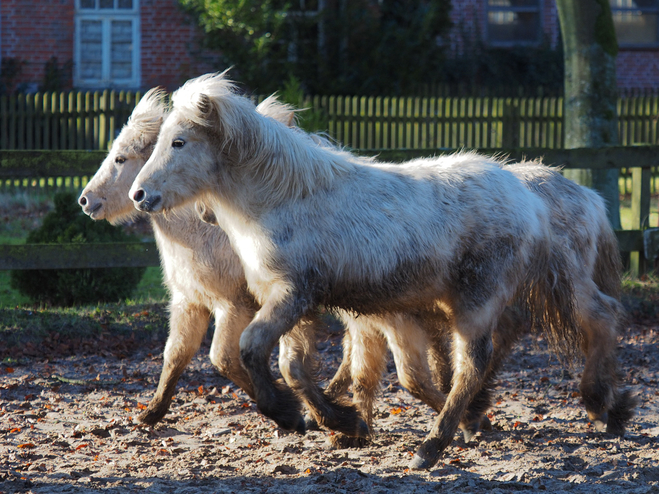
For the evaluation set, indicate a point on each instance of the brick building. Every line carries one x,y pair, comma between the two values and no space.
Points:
101,43
504,23
143,43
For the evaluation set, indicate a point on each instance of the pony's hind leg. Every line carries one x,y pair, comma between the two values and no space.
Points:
340,382
607,407
508,331
410,342
188,324
367,360
472,351
230,322
297,363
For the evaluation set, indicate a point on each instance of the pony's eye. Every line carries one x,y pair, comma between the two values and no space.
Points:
178,143
120,159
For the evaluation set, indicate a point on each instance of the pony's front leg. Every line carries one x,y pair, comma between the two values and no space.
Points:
230,322
472,353
188,324
297,362
274,399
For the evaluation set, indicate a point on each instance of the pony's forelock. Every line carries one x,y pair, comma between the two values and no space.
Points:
149,112
213,89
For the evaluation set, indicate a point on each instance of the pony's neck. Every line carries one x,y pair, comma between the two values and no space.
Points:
279,164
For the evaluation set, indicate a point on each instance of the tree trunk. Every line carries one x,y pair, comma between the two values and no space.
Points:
590,48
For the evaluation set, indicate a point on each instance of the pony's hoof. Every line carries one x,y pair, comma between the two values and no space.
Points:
469,430
362,429
426,456
310,423
341,441
486,425
151,416
301,427
600,423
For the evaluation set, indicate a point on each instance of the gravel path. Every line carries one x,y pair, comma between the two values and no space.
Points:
67,425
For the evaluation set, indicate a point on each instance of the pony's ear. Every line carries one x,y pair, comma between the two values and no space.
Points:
205,213
204,105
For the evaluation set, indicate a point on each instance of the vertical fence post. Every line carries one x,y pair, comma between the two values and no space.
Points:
510,120
640,214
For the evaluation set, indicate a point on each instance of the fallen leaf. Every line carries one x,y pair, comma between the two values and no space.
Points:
395,411
26,445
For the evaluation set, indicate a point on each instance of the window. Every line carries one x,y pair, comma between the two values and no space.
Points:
107,43
636,22
513,22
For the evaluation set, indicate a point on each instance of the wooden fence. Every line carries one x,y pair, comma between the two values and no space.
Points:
642,243
90,120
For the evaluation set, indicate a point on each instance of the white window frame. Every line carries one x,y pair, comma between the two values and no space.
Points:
106,16
650,10
513,9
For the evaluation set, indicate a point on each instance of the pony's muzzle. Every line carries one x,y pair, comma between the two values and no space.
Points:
145,202
89,206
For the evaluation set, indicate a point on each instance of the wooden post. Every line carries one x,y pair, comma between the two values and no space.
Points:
510,120
640,214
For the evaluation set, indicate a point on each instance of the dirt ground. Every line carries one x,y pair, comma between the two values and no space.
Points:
67,425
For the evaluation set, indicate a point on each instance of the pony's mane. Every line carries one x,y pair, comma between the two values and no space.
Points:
282,162
282,112
143,125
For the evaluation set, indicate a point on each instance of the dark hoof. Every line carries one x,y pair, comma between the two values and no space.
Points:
362,429
426,457
486,425
469,430
310,423
621,413
341,441
151,416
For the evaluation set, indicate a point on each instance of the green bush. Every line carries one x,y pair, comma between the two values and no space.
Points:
66,287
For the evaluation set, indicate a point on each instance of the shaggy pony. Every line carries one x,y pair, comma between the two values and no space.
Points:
312,226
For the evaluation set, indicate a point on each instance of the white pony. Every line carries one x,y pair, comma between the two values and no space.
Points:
458,234
204,276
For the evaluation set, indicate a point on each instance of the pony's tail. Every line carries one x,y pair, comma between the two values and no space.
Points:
551,303
607,272
608,265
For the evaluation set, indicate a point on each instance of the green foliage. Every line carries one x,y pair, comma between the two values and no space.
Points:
56,78
10,69
248,35
309,119
355,47
66,287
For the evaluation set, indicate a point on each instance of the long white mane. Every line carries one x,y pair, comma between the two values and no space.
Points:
287,163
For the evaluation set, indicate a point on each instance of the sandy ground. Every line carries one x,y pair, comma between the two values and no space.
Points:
67,426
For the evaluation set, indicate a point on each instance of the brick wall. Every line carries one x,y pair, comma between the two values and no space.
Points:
170,54
638,69
35,31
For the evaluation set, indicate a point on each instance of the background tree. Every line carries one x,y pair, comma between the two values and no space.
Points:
590,49
343,47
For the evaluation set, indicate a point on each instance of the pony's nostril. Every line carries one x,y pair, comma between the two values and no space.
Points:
82,201
139,195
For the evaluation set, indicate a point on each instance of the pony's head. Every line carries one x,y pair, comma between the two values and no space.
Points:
105,196
205,129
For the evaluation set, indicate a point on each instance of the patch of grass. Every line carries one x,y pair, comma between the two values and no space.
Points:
44,330
641,297
626,212
150,288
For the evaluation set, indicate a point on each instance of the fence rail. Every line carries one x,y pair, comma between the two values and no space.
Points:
33,166
90,120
